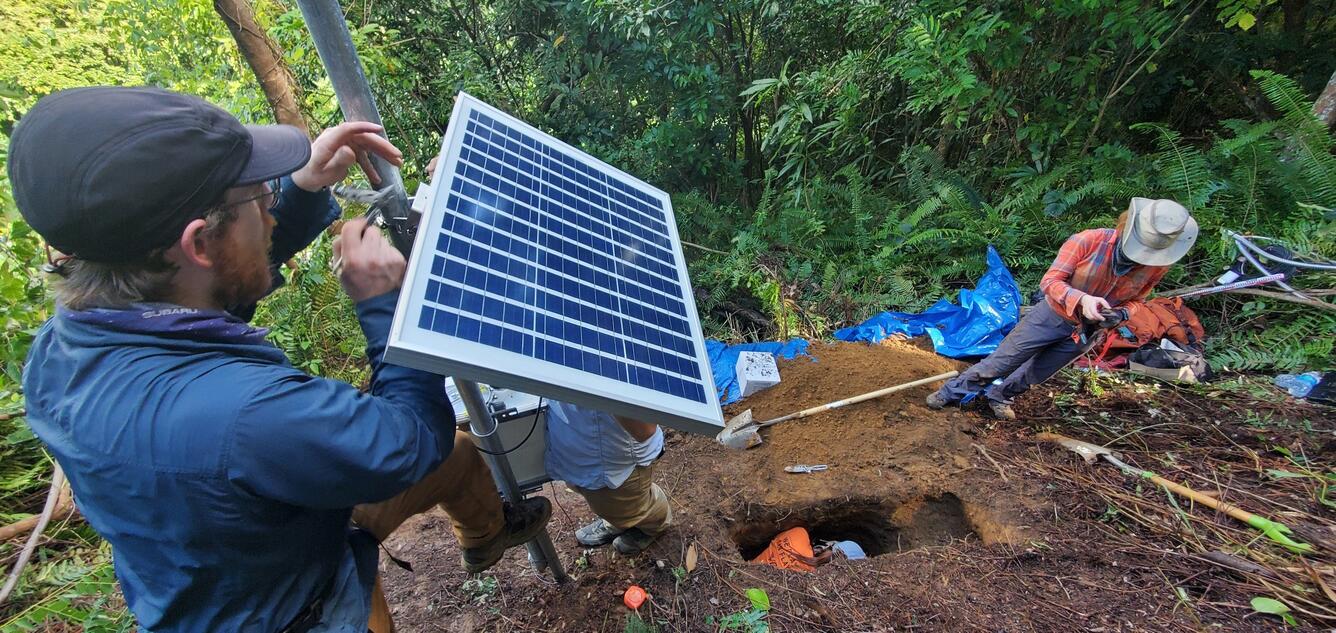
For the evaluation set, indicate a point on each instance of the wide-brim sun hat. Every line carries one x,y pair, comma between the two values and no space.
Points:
1157,233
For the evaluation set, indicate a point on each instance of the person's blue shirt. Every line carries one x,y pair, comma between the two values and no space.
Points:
591,450
223,477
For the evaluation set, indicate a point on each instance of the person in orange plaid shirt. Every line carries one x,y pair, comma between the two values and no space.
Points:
1099,278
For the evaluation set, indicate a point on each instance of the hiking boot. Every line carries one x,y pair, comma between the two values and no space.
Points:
597,534
935,401
1002,410
523,522
632,542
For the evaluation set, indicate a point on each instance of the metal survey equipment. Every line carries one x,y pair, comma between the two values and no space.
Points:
329,31
540,268
806,468
532,266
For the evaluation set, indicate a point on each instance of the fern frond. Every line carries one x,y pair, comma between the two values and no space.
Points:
1309,139
1183,169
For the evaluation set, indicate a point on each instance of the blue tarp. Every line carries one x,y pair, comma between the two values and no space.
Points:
973,328
724,362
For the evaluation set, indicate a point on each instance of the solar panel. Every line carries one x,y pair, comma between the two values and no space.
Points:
540,268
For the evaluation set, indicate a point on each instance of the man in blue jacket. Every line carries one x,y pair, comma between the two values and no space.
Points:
227,481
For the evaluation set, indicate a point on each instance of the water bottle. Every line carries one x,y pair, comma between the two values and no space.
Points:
1298,385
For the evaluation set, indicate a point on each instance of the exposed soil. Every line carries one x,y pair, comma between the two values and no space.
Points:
969,524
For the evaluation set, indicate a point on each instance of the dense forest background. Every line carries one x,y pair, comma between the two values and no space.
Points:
827,159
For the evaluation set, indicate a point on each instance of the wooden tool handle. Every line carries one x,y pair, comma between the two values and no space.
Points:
857,399
1227,508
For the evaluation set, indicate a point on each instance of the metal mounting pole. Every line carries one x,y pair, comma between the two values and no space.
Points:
541,551
324,19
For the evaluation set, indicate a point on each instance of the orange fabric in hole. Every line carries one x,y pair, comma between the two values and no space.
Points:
792,549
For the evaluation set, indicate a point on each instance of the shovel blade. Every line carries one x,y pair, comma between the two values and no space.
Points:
738,421
741,439
738,432
1089,452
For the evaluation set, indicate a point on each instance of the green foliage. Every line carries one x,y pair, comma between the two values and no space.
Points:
1274,607
52,45
749,621
636,624
72,590
480,589
24,467
1303,341
1270,178
183,45
312,320
759,599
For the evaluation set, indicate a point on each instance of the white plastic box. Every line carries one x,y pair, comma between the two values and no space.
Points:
756,371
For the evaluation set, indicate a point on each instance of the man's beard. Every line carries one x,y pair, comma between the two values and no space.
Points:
242,280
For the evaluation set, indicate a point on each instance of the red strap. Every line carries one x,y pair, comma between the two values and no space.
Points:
1108,342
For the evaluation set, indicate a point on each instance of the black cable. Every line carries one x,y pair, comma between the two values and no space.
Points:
536,414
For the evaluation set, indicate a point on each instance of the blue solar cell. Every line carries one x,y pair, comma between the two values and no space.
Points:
572,358
490,335
445,322
513,314
468,328
450,296
511,341
493,308
470,302
643,377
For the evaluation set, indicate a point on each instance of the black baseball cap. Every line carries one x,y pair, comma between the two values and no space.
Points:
109,174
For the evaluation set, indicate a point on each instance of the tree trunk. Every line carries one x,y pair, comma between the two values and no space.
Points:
265,60
1325,108
753,163
1295,11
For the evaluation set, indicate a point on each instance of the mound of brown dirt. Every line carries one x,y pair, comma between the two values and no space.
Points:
897,471
868,446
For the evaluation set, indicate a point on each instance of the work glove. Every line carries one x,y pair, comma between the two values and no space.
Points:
1112,317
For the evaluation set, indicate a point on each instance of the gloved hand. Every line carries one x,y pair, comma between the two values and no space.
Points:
1112,317
1091,307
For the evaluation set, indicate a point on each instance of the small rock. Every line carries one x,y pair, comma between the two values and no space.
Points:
659,564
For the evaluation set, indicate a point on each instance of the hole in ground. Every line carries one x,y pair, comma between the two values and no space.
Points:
932,521
878,526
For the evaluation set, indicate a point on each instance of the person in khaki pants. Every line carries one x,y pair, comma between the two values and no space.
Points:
462,486
609,461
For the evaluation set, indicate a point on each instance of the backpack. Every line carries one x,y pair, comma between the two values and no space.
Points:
1151,357
1162,317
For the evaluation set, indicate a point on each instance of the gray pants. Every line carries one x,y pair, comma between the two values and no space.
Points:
1037,348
